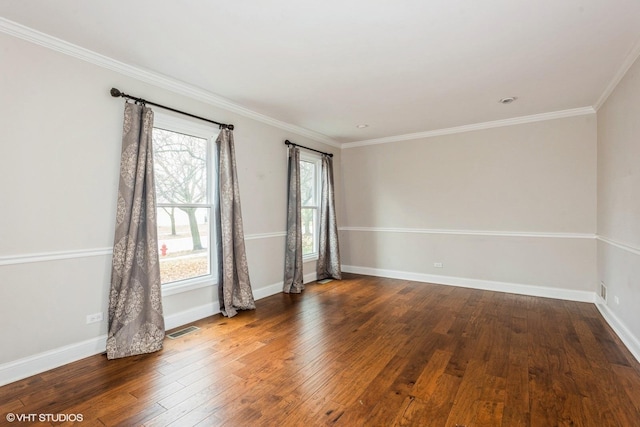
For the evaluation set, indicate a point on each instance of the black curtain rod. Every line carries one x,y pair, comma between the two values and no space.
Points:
116,94
287,142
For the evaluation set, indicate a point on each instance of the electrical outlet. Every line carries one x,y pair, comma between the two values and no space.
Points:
437,264
94,318
616,299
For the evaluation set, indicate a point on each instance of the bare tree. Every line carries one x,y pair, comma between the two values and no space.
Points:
171,213
307,193
181,175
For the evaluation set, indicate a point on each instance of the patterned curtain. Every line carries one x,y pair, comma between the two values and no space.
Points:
234,286
136,324
293,282
328,265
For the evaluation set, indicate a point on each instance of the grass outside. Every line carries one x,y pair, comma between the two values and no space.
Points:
188,264
174,269
182,264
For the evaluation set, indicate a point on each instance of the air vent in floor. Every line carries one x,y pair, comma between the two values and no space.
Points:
182,332
603,291
323,281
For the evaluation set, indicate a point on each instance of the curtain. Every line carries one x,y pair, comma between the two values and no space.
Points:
234,286
328,265
293,282
136,324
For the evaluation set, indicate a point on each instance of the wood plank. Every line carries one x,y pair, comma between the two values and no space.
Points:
362,351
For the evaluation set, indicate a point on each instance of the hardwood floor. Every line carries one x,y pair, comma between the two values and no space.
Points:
363,351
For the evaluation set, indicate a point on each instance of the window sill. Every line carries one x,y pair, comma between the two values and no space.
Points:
188,285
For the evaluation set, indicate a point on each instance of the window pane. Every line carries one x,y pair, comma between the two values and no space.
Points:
183,243
308,230
307,183
180,167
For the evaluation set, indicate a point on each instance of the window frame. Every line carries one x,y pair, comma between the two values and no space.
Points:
210,133
316,160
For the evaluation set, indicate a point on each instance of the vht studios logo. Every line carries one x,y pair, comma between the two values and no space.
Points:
44,418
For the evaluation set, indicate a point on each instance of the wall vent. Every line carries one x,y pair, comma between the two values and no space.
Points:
603,291
182,332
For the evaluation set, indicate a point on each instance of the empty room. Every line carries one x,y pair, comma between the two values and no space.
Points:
361,213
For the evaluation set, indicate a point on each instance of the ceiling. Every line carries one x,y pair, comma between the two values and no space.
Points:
399,66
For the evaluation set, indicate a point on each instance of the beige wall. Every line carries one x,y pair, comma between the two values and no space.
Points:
402,207
619,201
532,179
61,134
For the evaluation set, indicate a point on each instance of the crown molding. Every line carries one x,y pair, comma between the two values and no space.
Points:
165,82
28,34
476,126
629,60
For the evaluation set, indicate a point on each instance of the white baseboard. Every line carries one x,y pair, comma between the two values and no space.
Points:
488,285
310,277
41,362
267,291
631,341
191,315
212,308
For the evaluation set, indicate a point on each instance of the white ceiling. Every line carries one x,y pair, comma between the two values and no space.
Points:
400,66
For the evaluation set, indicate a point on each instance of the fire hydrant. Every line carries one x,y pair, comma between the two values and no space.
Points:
163,249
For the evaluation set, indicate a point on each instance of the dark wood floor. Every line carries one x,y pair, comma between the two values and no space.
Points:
363,351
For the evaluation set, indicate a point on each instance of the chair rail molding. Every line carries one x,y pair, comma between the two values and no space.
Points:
493,233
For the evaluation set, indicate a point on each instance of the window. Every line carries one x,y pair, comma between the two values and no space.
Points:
310,201
184,181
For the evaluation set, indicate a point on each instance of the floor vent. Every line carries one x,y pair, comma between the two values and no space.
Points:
603,291
182,332
323,281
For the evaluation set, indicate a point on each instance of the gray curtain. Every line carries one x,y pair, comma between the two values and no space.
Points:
328,265
136,324
234,286
293,282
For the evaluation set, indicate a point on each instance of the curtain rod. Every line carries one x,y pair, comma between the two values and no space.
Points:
287,142
116,93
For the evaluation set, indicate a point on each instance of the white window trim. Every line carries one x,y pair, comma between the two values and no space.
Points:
210,133
317,160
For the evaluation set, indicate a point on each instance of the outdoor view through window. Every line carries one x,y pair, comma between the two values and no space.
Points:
309,200
182,182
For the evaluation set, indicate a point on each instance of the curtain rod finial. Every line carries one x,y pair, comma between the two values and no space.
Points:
115,92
